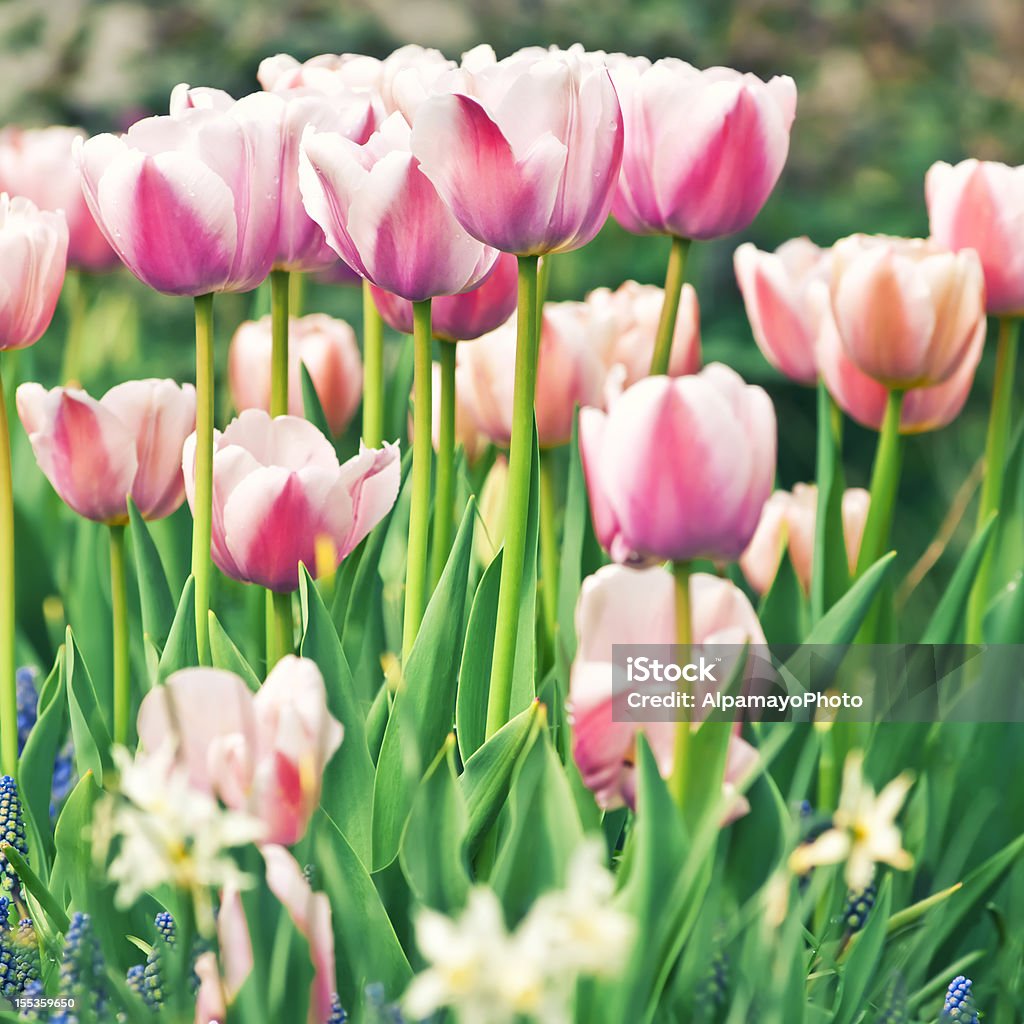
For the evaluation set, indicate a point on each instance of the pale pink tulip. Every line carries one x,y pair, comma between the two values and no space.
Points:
786,294
711,177
906,310
263,753
570,373
33,255
190,202
527,156
97,454
864,398
278,489
788,523
461,317
979,205
36,163
619,605
680,468
384,218
211,1006
325,346
625,323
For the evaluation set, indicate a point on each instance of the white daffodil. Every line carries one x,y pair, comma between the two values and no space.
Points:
864,831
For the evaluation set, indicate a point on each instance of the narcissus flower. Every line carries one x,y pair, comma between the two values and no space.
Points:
97,454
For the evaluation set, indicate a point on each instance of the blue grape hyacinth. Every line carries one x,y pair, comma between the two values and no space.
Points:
12,829
858,907
959,1005
81,973
64,764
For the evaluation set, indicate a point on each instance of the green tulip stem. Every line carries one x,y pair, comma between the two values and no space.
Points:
373,371
885,478
675,276
444,503
684,638
8,684
119,607
280,627
202,566
279,296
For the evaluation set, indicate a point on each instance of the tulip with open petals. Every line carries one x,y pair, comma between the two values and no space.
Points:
461,317
619,605
278,489
33,255
383,216
326,347
97,454
190,202
788,523
979,205
36,163
786,295
711,177
906,311
528,157
679,468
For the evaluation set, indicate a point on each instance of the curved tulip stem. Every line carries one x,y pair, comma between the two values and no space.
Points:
280,627
77,301
444,502
520,465
422,451
373,371
885,476
122,664
675,276
684,637
8,684
995,462
203,511
548,543
279,342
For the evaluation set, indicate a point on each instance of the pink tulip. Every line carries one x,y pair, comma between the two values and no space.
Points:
461,317
97,454
529,157
570,373
381,214
278,489
263,753
979,205
325,346
190,202
906,311
786,294
712,177
618,605
680,468
36,163
626,320
788,523
33,254
864,398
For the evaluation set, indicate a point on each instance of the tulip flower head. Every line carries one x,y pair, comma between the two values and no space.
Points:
278,490
33,255
97,454
712,178
680,468
36,163
979,205
326,347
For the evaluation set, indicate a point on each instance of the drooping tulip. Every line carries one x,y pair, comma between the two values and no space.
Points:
97,454
979,205
570,373
788,524
382,215
36,163
33,256
326,347
190,202
619,605
461,317
680,468
786,295
712,178
263,753
528,155
278,489
626,322
906,311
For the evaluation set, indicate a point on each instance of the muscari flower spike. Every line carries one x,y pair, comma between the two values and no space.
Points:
959,1005
895,1010
153,974
81,973
714,987
858,907
338,1014
63,765
34,990
378,1009
12,829
26,954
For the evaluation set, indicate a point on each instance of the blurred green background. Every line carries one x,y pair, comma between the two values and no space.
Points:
886,87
